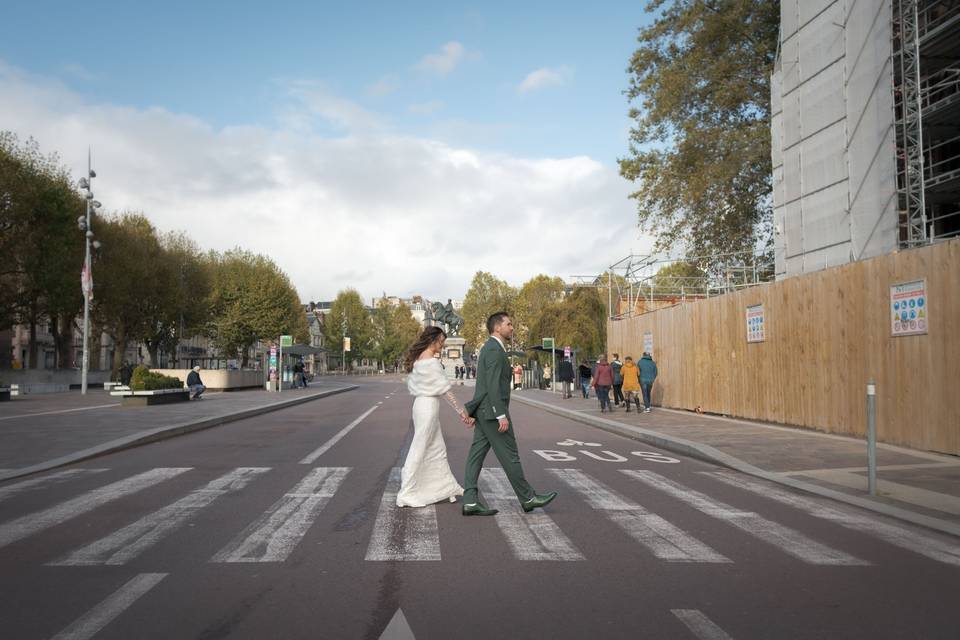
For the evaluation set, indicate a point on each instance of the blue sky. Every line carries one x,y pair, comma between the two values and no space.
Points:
538,84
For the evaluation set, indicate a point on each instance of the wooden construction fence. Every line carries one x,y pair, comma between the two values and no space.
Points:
826,335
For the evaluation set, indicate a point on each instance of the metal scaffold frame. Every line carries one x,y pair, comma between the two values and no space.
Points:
914,216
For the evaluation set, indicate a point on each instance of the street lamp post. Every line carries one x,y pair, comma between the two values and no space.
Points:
85,223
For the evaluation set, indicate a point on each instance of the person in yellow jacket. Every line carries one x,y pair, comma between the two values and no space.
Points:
631,383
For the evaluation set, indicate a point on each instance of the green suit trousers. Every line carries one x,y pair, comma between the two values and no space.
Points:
486,435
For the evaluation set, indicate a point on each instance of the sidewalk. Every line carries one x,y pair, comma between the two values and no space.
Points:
921,487
44,431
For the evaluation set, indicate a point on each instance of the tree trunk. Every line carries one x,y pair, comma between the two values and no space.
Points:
32,346
119,350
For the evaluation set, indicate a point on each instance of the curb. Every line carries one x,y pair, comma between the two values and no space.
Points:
164,433
711,454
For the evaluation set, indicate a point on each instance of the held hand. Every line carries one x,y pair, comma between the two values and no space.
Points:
504,425
470,421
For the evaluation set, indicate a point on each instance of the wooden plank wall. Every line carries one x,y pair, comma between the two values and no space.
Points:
827,334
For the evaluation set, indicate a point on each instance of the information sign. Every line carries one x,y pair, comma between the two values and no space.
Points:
756,324
909,308
648,342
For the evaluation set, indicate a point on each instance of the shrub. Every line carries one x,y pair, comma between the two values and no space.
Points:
145,380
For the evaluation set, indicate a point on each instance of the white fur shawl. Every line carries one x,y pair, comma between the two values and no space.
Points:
427,378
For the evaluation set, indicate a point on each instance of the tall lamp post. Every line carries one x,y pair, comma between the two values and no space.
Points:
86,279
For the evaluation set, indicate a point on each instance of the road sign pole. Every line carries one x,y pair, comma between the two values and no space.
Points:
872,438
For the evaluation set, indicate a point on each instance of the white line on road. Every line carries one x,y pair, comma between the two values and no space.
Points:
11,490
273,536
531,536
663,539
129,542
911,539
702,627
50,413
103,614
786,539
57,514
412,535
335,439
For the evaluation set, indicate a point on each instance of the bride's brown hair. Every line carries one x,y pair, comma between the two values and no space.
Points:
427,337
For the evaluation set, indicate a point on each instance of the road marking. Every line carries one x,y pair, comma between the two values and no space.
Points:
531,536
414,535
398,628
788,540
103,614
129,542
663,539
335,439
57,514
50,413
58,477
702,627
911,539
273,536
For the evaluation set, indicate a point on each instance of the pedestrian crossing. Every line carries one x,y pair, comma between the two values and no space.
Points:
405,534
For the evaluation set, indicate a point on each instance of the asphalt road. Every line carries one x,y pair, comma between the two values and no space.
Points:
279,527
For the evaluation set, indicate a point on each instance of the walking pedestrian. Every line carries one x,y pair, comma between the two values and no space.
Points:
565,376
602,381
585,374
617,380
648,374
517,376
494,428
547,376
631,383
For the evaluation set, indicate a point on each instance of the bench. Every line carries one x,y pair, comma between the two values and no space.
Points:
146,398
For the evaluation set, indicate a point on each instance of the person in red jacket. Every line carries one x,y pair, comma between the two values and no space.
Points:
602,381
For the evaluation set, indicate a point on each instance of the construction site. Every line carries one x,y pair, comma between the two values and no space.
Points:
865,150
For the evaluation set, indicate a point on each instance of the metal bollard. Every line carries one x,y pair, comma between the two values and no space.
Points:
872,438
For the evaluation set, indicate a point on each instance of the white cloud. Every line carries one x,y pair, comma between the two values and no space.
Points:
366,208
384,86
545,77
443,62
425,108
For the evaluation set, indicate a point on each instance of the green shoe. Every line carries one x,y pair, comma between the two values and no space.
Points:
478,509
538,501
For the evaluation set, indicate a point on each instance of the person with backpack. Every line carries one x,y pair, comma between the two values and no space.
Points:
616,365
602,381
631,383
585,374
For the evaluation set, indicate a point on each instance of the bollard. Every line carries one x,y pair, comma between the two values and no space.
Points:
872,438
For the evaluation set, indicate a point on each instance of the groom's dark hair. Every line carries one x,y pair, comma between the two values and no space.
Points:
494,321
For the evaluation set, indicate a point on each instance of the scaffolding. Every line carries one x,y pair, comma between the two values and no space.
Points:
926,51
635,284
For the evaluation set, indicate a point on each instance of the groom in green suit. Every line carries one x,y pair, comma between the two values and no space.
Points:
491,408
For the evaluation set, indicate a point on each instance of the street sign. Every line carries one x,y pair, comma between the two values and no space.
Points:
548,343
286,341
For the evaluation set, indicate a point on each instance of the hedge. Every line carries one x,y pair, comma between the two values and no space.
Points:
145,380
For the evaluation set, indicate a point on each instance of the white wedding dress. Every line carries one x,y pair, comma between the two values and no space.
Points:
426,477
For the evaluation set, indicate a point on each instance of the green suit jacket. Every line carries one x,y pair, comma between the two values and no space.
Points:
491,398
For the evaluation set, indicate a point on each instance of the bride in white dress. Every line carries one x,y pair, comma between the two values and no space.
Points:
426,477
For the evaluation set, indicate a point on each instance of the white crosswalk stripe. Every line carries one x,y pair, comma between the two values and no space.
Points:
911,539
662,538
132,540
43,482
58,514
92,622
700,625
531,536
273,536
410,535
312,457
782,537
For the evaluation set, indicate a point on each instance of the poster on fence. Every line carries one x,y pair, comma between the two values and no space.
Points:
648,342
756,330
909,308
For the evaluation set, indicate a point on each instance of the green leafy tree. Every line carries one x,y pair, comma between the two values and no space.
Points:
349,317
128,287
537,296
252,299
579,321
486,295
41,248
394,330
700,143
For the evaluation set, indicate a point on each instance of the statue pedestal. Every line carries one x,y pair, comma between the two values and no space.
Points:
452,355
